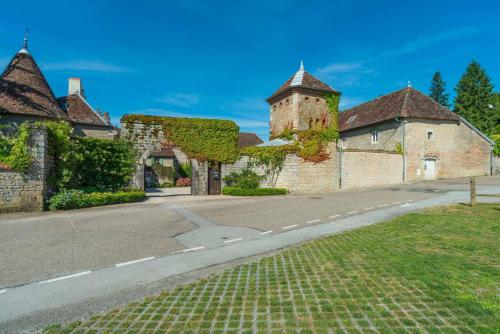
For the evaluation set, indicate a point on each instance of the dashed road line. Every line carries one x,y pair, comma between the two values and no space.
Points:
134,261
191,249
232,240
395,203
290,226
334,216
366,209
65,277
352,212
313,221
266,232
411,200
405,205
382,205
3,291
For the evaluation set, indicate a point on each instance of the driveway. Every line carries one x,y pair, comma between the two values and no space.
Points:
57,265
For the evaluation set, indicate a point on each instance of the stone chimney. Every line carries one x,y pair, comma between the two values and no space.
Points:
75,87
105,115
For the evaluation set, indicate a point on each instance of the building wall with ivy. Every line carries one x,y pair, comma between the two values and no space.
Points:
28,192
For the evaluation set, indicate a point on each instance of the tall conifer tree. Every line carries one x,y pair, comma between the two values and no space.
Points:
438,90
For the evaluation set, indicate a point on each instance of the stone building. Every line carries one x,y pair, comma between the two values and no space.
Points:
26,96
299,104
435,142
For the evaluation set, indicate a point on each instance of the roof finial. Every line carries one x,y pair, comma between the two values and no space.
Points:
25,42
409,84
301,66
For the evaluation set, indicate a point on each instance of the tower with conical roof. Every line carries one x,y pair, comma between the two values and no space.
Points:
299,104
24,91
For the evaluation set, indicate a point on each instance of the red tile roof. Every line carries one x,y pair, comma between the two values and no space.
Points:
248,139
407,102
24,90
308,82
80,111
164,152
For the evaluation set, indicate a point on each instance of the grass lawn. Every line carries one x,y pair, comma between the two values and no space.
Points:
431,272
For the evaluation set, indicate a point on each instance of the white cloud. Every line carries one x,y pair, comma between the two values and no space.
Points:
180,99
84,65
336,68
344,74
349,102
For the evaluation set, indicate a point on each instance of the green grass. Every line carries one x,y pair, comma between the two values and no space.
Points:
431,272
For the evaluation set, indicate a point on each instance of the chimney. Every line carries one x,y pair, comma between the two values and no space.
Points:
105,115
75,87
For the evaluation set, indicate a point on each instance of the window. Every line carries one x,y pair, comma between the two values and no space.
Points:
307,98
344,143
430,134
374,136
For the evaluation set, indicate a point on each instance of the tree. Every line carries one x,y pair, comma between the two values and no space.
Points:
475,99
437,90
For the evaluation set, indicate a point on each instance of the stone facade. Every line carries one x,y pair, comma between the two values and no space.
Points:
28,192
93,131
298,111
459,151
367,169
389,136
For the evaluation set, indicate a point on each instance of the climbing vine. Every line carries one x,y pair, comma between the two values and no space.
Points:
14,152
201,139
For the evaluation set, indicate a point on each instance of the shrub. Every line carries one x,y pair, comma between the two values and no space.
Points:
247,179
183,182
75,199
15,152
253,192
164,172
186,170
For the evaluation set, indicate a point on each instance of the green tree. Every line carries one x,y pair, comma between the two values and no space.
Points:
438,90
475,98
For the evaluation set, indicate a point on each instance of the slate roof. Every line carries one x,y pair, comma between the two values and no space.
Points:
407,102
24,90
302,79
80,111
248,139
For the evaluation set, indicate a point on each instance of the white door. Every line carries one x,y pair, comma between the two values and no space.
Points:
429,169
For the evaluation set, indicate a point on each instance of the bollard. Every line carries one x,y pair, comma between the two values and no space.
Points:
472,191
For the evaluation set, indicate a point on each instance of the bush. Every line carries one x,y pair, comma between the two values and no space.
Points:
183,182
185,170
247,179
75,199
253,192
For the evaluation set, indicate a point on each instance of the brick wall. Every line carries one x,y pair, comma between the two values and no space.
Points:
366,169
27,192
459,151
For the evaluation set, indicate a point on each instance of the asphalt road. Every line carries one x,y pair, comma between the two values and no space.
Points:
62,266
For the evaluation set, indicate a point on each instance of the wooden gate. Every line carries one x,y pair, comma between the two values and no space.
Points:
214,179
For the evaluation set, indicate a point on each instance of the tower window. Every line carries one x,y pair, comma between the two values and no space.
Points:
317,100
306,98
430,134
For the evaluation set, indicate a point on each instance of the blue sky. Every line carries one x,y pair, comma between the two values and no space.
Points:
221,59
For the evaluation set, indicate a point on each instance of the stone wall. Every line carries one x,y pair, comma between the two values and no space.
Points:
458,150
496,165
389,135
93,131
367,169
27,192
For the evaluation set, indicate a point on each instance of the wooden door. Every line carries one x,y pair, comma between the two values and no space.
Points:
214,179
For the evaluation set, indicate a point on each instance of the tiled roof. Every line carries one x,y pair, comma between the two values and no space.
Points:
80,111
303,79
164,152
248,139
407,102
24,90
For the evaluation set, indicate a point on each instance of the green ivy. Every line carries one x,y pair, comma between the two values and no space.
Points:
15,152
201,139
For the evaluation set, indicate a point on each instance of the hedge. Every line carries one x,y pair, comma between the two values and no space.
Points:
76,199
253,192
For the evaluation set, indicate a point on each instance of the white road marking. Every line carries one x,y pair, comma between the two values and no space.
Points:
192,249
334,216
405,205
291,226
266,232
366,209
134,261
65,277
383,205
351,212
411,200
232,240
4,290
395,203
313,221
